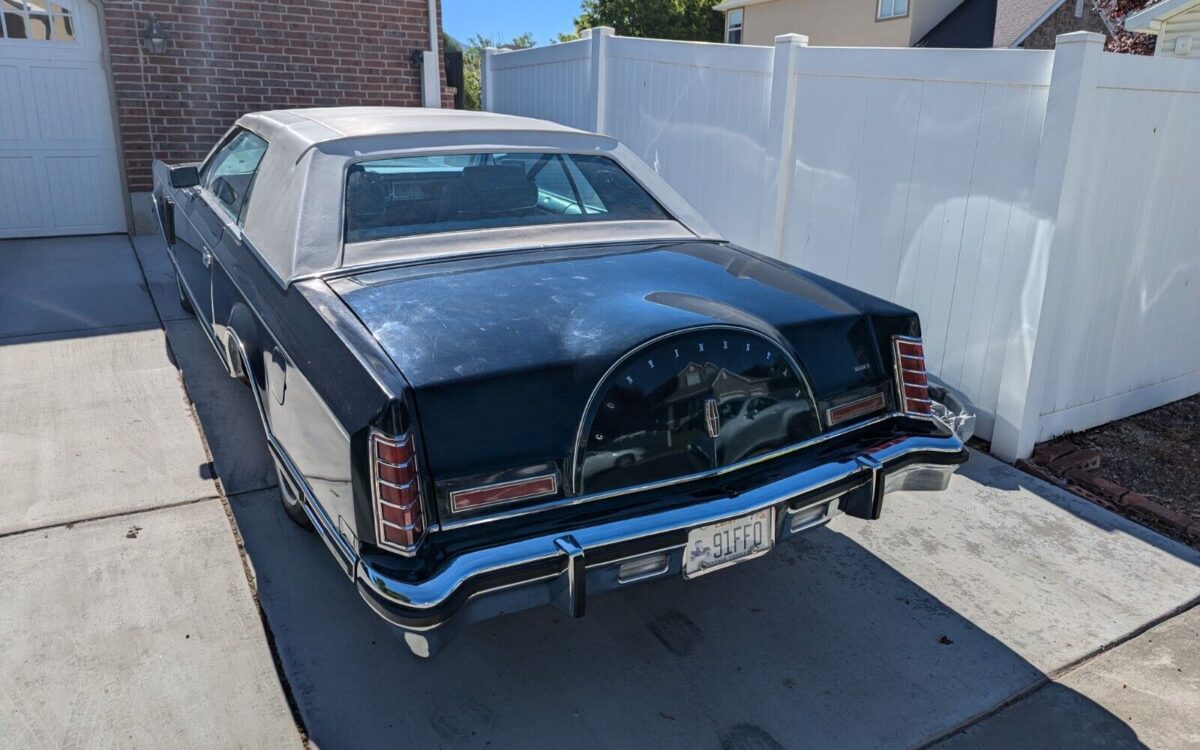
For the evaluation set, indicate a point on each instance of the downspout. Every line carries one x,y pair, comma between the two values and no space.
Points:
431,74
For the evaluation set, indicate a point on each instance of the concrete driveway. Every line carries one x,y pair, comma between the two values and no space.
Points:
126,616
890,634
1001,613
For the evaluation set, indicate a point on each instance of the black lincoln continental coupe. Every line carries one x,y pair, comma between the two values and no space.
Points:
500,363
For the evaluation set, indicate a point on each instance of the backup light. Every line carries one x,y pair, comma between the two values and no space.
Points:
399,520
642,567
808,517
912,382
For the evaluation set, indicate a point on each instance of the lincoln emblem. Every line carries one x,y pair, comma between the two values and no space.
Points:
712,417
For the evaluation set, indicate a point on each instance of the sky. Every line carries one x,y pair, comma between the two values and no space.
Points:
503,20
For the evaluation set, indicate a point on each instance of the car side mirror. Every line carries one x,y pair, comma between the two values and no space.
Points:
185,176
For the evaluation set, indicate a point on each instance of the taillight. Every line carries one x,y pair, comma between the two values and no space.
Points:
399,518
911,380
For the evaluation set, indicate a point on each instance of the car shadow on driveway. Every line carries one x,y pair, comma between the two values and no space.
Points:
819,644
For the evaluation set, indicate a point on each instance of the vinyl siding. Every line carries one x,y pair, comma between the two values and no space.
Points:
1184,24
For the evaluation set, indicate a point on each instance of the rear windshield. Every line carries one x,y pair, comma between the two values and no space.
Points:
446,193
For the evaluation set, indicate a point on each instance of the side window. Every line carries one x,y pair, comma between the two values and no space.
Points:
892,9
230,173
733,26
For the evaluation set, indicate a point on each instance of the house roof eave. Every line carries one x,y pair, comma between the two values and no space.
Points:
735,4
1033,26
1148,19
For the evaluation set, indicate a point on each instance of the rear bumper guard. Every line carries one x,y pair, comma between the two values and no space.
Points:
563,568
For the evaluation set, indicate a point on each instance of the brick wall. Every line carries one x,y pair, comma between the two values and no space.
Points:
1064,21
226,58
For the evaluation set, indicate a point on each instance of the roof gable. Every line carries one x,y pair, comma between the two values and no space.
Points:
1015,19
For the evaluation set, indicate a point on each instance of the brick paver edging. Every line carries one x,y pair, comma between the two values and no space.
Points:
1065,464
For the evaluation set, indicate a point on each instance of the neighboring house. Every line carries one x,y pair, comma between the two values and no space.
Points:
1176,23
833,23
91,91
1031,24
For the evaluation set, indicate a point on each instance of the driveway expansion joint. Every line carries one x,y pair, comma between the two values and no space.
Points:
106,516
1055,676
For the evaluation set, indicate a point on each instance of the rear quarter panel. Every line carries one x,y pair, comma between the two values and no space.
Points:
319,393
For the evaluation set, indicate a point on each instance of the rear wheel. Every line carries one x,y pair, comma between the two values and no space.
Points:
184,302
291,500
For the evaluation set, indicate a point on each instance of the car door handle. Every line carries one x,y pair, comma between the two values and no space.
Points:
206,257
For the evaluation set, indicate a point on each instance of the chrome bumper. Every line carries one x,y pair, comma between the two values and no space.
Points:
564,568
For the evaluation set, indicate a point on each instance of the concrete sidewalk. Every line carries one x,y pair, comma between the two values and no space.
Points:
126,617
1144,693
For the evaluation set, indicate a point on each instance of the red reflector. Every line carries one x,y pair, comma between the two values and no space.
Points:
402,537
393,454
507,492
402,495
395,474
855,408
400,515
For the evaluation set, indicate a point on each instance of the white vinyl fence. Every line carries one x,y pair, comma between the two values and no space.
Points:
1036,208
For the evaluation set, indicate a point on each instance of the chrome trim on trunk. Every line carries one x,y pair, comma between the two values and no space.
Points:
437,590
569,501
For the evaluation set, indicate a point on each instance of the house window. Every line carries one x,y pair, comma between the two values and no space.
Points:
733,27
38,20
892,9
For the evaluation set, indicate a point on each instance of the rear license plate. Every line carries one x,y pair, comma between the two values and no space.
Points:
729,542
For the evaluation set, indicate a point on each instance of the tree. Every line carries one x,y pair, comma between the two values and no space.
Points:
691,20
473,58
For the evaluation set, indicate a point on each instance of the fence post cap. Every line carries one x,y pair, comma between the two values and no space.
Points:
1079,37
800,40
597,31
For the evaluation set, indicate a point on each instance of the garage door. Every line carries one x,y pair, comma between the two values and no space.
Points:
58,154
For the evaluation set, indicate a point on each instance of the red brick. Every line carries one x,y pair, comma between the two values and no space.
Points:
1084,458
1158,511
1047,452
1037,471
227,58
1097,484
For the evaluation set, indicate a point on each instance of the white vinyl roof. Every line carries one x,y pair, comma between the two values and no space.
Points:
294,218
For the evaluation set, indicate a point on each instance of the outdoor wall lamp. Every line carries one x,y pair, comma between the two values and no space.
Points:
154,39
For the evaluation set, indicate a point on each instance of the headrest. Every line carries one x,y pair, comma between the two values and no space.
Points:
499,188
